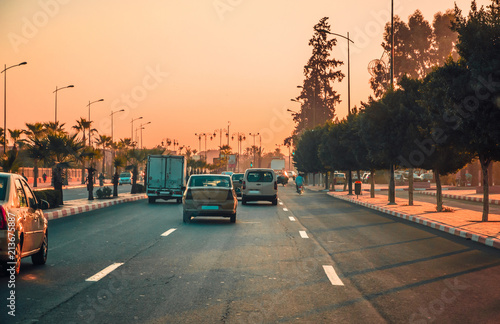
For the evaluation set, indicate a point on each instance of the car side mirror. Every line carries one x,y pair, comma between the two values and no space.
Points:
43,204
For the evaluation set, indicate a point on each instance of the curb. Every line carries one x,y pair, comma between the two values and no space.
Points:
486,240
459,197
69,211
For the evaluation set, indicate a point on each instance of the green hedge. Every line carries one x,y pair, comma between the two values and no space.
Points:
51,196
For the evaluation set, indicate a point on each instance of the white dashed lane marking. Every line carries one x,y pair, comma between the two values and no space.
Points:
332,275
103,273
170,231
291,218
303,234
285,209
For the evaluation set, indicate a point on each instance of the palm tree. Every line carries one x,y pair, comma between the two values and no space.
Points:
81,126
64,150
118,162
36,146
15,134
134,158
54,127
105,142
9,162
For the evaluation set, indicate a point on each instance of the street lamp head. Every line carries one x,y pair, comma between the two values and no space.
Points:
23,63
70,86
121,110
100,100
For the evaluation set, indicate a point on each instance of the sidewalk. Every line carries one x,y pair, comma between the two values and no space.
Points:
469,194
461,222
77,206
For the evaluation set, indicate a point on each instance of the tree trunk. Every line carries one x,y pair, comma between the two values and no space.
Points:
372,183
439,191
349,182
115,184
58,184
410,187
485,163
35,173
392,188
326,181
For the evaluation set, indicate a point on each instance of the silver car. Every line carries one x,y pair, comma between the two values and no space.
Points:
23,227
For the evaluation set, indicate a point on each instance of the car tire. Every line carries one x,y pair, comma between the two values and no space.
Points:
243,200
179,200
41,256
275,202
151,200
18,258
233,218
186,217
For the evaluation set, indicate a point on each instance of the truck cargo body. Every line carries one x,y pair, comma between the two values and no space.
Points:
166,176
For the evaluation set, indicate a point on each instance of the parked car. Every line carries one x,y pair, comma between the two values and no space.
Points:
339,178
282,177
125,177
428,176
292,174
236,177
258,185
209,195
229,173
399,178
23,227
366,177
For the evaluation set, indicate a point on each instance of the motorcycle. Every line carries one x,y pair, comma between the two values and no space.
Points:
300,189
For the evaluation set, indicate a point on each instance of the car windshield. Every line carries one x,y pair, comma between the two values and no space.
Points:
209,181
125,175
260,176
3,187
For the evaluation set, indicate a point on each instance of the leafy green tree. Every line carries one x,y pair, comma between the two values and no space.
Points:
135,157
317,95
104,142
418,47
474,88
306,157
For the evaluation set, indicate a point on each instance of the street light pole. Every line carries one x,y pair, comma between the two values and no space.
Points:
132,130
55,92
254,135
89,117
5,102
141,128
348,66
112,113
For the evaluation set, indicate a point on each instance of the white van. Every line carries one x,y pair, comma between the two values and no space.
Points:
259,184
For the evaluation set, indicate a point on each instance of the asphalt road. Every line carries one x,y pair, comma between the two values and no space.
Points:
270,266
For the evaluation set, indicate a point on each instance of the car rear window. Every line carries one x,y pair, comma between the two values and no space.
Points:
125,174
260,176
3,187
237,177
209,181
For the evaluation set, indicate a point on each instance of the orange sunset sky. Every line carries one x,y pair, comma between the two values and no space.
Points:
186,66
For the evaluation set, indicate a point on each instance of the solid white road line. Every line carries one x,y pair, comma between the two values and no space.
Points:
332,275
101,274
291,218
170,231
285,209
303,234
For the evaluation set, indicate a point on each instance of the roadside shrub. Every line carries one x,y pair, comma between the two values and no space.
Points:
140,188
51,196
103,193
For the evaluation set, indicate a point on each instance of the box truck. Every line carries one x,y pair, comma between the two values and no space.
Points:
166,177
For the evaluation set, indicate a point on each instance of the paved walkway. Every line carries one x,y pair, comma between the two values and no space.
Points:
461,222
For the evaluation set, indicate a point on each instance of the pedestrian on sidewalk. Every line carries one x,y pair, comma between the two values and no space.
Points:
101,180
44,176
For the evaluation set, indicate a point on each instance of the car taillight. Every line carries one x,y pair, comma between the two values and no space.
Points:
244,185
3,219
230,195
275,185
189,195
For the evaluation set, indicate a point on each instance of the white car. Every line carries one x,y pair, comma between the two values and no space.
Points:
258,185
